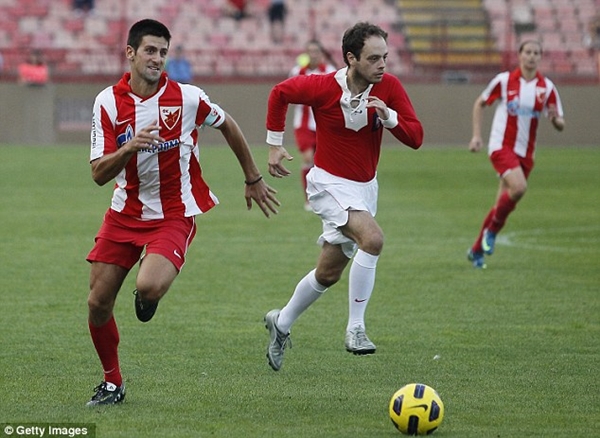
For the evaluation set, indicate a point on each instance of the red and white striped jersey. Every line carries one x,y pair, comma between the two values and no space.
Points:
517,115
303,115
348,133
165,180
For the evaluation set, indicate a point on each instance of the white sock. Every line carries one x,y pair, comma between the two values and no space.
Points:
362,281
307,291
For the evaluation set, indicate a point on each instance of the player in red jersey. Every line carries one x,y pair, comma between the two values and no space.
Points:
351,108
145,137
525,95
304,120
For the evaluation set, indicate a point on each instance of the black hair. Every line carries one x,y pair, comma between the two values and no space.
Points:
354,38
147,27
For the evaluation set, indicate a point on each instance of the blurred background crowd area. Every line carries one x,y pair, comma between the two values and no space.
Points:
233,40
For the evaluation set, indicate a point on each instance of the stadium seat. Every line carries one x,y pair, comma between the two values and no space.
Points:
427,35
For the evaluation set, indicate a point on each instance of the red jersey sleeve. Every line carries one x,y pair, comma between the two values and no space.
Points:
290,91
493,91
409,129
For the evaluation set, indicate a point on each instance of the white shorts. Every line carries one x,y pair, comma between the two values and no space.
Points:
331,197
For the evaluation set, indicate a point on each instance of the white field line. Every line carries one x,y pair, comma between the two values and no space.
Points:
587,239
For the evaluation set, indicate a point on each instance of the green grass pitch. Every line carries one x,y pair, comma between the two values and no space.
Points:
518,343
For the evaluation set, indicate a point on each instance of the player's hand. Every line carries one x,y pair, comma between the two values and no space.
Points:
264,196
276,156
145,138
380,107
475,144
108,166
557,121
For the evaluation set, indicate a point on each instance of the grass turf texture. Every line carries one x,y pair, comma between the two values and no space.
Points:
519,343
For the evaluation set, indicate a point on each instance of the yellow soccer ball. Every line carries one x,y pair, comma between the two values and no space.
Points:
416,409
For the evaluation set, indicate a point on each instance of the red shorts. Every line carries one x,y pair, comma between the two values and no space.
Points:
122,239
505,159
305,139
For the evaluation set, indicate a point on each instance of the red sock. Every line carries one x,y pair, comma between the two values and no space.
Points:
106,341
476,248
504,207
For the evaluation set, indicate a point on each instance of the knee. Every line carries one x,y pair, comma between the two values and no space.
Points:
373,244
96,305
518,191
100,309
328,277
150,291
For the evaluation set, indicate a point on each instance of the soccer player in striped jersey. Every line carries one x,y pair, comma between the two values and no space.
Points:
145,138
304,120
352,106
524,95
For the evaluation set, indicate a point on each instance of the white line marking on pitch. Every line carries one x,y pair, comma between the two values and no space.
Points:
533,239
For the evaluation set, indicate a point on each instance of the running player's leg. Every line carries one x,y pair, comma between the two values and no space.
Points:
166,249
155,277
366,232
309,289
514,186
330,266
105,281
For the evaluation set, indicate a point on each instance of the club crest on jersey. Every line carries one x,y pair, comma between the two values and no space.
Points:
170,115
540,94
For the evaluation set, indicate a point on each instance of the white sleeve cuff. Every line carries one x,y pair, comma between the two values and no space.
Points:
275,138
392,121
